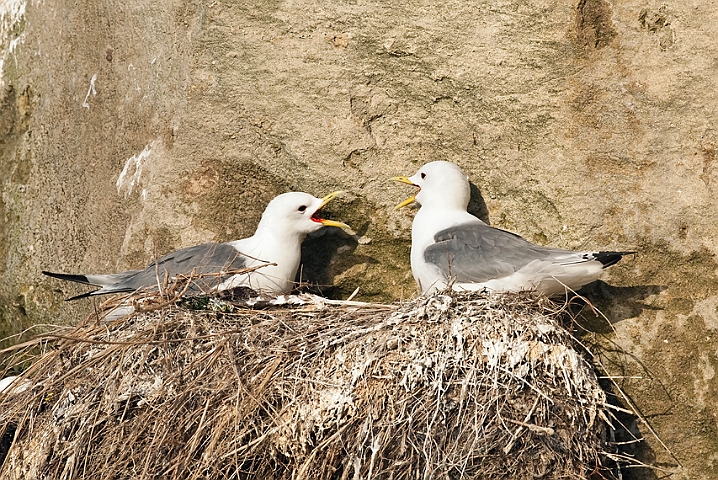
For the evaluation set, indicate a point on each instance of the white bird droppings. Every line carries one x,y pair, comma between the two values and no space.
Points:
90,90
12,13
132,172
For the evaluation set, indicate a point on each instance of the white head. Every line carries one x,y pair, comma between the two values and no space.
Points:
441,184
295,213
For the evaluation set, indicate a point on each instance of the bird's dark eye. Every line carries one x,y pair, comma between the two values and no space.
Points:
423,175
302,208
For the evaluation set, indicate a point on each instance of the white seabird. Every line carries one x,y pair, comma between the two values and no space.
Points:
275,247
449,246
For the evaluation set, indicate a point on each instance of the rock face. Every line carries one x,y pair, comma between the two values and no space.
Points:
131,129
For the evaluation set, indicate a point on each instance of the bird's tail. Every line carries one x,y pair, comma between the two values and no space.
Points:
103,280
69,277
74,278
108,282
609,258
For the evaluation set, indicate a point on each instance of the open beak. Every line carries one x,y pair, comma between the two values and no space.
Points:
409,200
329,223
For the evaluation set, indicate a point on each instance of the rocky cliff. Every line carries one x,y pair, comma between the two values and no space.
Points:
131,129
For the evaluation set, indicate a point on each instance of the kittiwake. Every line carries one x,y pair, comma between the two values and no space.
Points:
275,248
451,247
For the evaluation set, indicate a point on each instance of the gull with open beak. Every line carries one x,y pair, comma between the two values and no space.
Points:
272,254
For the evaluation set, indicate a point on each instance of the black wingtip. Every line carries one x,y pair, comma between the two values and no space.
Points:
71,278
78,297
67,276
610,258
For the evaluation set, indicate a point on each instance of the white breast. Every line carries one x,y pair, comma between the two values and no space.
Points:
270,278
427,223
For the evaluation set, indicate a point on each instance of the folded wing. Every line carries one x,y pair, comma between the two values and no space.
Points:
479,253
208,262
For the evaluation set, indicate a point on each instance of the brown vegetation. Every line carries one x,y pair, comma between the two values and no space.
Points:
441,387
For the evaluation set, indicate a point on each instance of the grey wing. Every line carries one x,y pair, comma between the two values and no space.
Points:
479,253
205,259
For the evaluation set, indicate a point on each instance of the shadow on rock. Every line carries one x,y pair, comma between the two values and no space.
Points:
477,207
609,305
325,254
614,304
626,439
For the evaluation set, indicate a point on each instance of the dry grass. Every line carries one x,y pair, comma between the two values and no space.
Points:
488,387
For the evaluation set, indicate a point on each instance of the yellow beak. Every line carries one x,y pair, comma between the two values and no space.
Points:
409,200
330,223
329,198
402,180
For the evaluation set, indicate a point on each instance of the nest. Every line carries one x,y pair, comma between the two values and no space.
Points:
445,387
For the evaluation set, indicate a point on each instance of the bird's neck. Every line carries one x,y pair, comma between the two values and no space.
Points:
278,238
430,220
445,199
